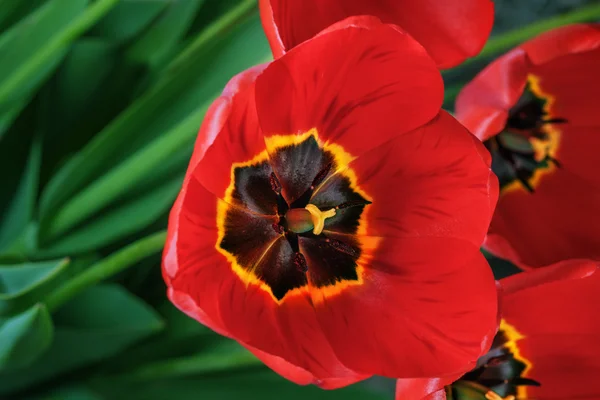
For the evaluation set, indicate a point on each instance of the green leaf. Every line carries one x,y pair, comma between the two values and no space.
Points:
128,18
257,384
33,48
11,11
19,213
184,91
70,392
97,324
119,221
23,283
152,46
24,337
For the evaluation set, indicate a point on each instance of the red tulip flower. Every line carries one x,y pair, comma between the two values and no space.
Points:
450,31
536,109
331,216
548,344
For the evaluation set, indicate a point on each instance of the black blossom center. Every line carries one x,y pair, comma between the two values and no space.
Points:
293,219
516,154
498,373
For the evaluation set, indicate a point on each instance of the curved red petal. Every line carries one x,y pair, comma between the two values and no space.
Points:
214,121
559,220
482,105
287,331
240,138
450,32
557,307
559,42
299,375
365,79
433,181
423,388
566,366
569,269
270,28
427,307
439,395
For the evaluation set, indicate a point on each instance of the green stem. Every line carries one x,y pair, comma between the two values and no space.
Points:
512,38
196,365
116,262
72,31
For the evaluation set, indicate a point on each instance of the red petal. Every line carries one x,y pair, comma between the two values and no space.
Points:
562,41
439,395
482,105
362,80
423,388
450,32
557,307
301,376
570,269
217,297
201,281
573,82
566,366
239,139
560,220
427,307
557,321
433,181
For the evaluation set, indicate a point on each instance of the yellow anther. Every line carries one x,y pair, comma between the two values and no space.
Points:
319,217
495,396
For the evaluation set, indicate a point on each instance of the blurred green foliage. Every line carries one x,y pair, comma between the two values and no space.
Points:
100,102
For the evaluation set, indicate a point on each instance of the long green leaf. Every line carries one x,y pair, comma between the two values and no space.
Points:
106,268
38,41
20,211
24,337
170,101
170,112
98,323
23,284
153,45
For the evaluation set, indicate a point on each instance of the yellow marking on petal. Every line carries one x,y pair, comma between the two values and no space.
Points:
495,396
540,146
319,217
513,336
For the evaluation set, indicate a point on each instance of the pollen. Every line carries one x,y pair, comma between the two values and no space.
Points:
319,217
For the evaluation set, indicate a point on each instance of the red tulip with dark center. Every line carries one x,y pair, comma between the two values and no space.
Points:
547,347
331,216
450,31
536,109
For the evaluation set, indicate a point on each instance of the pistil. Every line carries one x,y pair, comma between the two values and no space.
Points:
300,220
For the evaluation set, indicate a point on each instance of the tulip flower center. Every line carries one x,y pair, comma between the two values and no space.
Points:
292,217
526,148
500,374
300,220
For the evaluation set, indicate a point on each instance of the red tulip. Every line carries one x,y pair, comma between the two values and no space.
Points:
536,108
449,31
547,346
331,216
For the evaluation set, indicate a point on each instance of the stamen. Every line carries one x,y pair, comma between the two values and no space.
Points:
319,217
